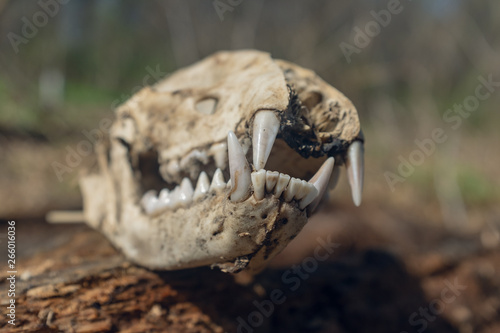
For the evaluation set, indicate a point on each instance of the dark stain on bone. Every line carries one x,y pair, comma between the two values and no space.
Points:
219,222
201,243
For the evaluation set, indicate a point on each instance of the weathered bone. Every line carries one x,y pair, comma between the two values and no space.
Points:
183,120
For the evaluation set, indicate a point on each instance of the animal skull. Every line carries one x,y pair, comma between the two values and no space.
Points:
199,124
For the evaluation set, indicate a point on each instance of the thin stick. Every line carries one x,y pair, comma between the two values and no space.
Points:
65,216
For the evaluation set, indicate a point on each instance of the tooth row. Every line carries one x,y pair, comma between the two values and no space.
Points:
183,194
279,184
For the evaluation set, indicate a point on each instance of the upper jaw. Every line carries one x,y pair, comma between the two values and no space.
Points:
251,179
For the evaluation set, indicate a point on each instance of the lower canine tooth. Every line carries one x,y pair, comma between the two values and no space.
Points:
320,181
271,180
259,183
281,184
310,196
238,169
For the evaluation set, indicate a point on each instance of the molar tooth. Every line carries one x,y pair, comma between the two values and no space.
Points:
283,180
164,199
259,184
193,157
265,128
186,191
149,201
291,189
173,167
271,180
175,196
217,181
238,169
202,186
355,170
320,181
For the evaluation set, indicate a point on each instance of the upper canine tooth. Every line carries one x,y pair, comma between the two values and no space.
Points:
186,192
283,180
259,184
218,181
320,181
271,180
238,169
292,188
265,128
202,186
355,170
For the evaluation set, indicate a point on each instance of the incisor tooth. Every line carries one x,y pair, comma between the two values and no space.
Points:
202,186
283,180
265,128
259,184
238,169
291,189
271,180
218,181
355,170
320,181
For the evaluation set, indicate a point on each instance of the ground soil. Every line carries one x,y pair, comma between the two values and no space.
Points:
71,279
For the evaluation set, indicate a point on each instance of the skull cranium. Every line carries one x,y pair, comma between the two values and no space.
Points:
206,122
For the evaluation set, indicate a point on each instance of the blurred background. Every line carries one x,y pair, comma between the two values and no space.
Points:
410,67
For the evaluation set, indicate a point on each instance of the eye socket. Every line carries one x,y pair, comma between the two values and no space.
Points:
311,99
207,105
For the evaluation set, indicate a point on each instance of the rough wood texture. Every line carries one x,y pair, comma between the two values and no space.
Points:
70,279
